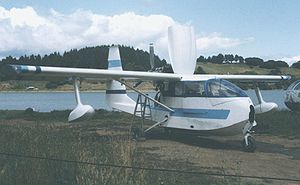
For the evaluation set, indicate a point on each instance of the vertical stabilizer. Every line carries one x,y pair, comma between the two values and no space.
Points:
116,96
182,49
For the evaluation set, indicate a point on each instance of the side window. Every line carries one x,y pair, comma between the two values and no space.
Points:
179,89
194,89
168,89
183,89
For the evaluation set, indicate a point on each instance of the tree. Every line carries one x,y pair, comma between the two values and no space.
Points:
229,58
201,59
296,65
90,57
254,61
272,64
239,59
217,59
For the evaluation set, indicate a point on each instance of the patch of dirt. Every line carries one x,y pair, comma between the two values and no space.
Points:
274,156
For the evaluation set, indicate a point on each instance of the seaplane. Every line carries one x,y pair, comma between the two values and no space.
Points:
184,101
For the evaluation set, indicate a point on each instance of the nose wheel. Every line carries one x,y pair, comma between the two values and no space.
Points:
248,143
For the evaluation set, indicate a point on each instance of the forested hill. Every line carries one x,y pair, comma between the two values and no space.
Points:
136,60
89,57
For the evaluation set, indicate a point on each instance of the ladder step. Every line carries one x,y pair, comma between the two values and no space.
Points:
142,109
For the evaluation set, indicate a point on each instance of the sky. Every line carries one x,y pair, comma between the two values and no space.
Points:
269,29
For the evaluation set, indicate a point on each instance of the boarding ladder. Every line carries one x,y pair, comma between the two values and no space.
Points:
143,110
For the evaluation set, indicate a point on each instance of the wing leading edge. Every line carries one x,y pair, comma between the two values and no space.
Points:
48,73
248,78
19,71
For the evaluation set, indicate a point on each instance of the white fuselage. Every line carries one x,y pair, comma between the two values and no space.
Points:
203,112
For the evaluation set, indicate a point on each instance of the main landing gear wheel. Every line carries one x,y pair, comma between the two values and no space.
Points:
249,144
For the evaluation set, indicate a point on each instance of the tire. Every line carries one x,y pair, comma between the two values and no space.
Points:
251,144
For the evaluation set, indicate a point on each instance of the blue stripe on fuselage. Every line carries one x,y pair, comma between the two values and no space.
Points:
201,113
114,63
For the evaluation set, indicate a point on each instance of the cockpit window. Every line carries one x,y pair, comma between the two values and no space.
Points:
223,88
210,88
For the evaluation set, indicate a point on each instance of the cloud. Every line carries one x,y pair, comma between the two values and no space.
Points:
215,41
25,31
291,60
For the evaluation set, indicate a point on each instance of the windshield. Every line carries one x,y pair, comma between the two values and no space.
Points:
223,88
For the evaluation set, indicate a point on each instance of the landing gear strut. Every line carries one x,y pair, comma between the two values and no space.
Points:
248,143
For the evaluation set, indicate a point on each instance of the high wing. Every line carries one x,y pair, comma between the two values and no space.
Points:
48,73
247,78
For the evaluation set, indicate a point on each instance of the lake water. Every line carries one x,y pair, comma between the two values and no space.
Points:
48,101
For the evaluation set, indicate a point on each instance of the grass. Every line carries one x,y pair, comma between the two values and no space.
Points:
103,139
242,68
282,123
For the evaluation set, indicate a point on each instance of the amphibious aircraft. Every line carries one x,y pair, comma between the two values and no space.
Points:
185,101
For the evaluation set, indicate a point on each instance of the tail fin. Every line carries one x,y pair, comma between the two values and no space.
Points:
116,96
